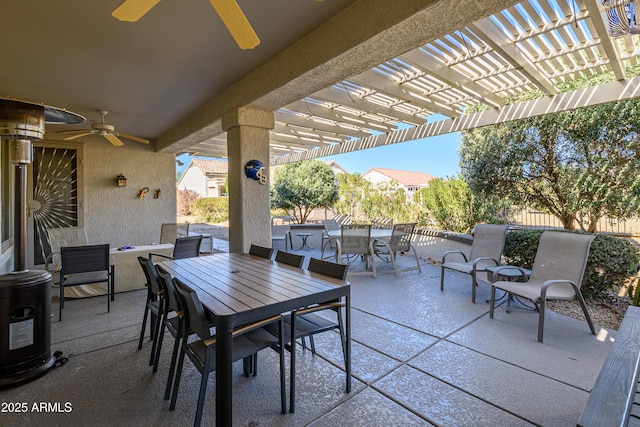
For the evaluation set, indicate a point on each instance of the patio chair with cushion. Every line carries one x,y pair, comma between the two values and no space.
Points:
400,241
261,251
59,237
169,232
184,247
84,265
247,341
355,239
556,274
282,233
486,250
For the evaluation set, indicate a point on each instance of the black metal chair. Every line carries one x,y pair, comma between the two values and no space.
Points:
155,305
185,247
261,251
306,322
289,258
84,265
248,340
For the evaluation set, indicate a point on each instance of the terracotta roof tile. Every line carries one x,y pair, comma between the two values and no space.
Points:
406,178
216,167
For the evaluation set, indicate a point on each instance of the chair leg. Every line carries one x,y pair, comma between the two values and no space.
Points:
158,345
493,302
203,392
393,261
292,368
442,278
144,324
473,286
541,318
176,381
283,391
60,302
586,313
172,367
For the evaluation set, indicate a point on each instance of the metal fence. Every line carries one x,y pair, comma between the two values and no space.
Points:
534,219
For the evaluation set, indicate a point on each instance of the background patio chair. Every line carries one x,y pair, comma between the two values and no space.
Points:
59,237
486,249
184,247
282,233
400,241
557,274
290,259
247,341
169,232
261,251
385,223
84,265
355,239
327,241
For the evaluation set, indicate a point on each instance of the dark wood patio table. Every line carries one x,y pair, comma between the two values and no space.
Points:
238,289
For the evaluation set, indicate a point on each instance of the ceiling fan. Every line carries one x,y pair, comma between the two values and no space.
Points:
106,130
228,10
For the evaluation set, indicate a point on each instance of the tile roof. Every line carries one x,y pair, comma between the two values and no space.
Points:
211,167
405,178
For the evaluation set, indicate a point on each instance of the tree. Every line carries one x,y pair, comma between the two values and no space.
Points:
449,204
576,165
302,187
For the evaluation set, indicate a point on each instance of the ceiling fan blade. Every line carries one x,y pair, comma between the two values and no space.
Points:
236,23
133,10
132,137
80,135
114,140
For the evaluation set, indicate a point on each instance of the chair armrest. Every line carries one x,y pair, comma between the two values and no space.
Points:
496,272
477,260
446,254
48,261
151,255
548,283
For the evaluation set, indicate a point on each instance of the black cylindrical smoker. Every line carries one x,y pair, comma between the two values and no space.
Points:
25,296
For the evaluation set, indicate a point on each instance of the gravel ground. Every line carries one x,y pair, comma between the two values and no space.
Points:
605,310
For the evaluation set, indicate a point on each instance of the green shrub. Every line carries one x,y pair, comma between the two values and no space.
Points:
211,210
610,263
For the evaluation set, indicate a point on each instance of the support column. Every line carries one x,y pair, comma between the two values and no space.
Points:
249,203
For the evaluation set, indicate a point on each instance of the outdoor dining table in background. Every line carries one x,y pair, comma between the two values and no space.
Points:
238,289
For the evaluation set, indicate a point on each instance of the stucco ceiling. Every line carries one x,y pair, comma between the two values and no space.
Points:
332,71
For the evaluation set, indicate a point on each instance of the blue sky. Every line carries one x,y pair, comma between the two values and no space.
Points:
437,156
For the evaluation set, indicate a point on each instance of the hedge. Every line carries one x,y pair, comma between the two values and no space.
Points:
612,260
211,210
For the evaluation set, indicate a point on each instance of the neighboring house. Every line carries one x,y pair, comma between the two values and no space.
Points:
205,177
409,181
335,167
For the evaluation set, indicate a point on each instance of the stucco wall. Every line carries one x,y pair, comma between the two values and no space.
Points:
116,215
194,179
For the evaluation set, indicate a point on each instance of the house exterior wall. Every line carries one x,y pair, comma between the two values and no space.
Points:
194,179
116,215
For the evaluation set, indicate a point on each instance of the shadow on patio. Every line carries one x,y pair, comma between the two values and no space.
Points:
420,357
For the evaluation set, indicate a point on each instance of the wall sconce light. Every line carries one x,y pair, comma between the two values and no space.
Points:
121,180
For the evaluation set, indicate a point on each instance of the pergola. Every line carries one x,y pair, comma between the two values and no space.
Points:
533,45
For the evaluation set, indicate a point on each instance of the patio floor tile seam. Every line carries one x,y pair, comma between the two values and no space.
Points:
91,335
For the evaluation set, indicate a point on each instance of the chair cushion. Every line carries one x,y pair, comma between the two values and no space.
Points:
85,278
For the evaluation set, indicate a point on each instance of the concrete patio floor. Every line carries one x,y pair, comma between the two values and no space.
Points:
420,357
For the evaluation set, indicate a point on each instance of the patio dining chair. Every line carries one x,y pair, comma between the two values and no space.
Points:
154,306
84,265
486,250
557,273
248,340
327,240
355,239
184,247
261,251
289,258
399,242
